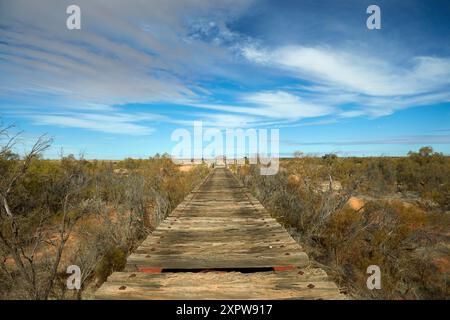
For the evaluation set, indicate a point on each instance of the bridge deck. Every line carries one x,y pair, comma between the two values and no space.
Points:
223,230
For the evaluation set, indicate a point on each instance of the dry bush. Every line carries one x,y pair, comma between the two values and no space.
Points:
409,242
26,227
88,213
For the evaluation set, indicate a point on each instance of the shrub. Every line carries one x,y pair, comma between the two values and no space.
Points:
115,259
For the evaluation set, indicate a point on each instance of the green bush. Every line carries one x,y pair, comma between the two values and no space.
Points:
115,259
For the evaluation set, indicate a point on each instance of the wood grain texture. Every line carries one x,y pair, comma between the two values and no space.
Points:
310,284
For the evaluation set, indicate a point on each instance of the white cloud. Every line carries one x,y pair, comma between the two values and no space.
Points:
356,73
125,52
161,51
114,123
404,140
266,108
376,86
219,120
283,105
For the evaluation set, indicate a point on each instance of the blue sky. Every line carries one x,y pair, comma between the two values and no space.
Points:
137,70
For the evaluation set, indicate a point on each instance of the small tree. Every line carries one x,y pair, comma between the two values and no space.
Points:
23,234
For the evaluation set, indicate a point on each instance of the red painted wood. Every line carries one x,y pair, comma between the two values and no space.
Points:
283,268
150,270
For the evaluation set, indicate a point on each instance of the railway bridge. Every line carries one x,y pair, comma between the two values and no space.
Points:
219,243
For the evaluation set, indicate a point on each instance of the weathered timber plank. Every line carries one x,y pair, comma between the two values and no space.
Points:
298,275
214,285
209,260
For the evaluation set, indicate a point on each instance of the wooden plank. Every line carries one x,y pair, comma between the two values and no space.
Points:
217,246
307,284
209,260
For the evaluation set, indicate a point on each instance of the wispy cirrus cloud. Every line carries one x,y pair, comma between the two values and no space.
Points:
117,123
130,52
230,63
268,107
357,73
378,87
147,53
403,140
282,105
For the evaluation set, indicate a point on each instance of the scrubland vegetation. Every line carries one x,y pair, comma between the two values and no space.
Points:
77,212
347,213
350,213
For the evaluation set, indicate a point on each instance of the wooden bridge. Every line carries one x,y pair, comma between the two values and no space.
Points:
219,243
